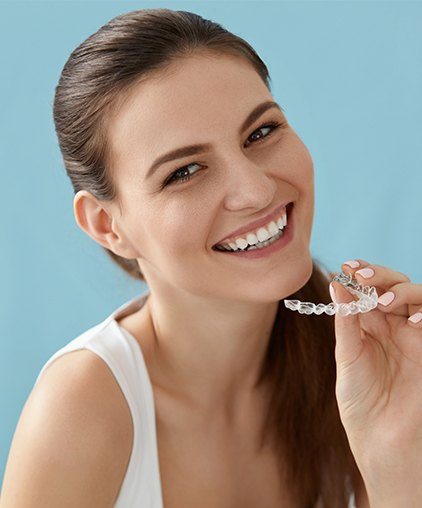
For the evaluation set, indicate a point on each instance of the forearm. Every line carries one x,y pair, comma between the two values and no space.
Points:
400,493
392,475
405,501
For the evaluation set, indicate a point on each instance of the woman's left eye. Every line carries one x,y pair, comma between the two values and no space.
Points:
271,125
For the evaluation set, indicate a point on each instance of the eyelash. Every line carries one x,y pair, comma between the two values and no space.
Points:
170,181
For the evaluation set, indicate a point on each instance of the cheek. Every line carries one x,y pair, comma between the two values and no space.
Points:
294,163
303,178
179,229
297,168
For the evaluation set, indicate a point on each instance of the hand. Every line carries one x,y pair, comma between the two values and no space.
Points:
379,378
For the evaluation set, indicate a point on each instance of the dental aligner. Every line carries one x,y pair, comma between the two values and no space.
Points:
368,300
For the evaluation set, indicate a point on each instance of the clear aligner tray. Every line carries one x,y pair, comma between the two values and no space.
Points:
368,300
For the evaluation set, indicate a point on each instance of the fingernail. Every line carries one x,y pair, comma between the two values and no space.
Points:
386,298
365,273
415,318
352,263
332,293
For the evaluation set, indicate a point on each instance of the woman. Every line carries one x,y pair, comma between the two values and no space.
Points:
206,391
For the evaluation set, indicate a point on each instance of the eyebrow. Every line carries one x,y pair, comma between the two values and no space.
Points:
186,151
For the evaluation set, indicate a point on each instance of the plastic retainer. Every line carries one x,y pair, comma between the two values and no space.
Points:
368,300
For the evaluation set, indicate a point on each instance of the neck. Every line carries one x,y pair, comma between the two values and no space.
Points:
208,352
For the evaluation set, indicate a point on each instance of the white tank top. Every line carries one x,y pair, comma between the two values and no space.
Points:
141,486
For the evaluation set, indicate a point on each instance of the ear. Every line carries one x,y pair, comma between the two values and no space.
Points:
93,217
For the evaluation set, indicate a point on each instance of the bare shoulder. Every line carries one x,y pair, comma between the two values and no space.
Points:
73,440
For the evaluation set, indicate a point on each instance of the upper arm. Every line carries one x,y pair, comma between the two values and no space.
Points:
73,439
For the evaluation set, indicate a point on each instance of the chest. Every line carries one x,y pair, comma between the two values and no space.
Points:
204,465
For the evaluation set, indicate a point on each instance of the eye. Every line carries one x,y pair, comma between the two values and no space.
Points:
271,125
185,169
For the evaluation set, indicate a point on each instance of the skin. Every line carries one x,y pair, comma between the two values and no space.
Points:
379,385
210,313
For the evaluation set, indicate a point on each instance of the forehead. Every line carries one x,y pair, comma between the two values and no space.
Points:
183,105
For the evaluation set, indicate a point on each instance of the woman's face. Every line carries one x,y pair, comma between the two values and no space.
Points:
170,222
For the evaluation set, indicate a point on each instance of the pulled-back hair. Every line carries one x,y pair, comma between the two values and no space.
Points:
303,421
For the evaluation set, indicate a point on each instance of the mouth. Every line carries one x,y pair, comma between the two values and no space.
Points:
275,242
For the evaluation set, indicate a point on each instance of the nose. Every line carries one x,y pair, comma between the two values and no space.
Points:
248,185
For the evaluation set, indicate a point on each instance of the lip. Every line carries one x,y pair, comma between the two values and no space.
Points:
255,224
278,245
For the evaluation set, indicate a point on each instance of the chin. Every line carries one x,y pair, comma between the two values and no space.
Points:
285,282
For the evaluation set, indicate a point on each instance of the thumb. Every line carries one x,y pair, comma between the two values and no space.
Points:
347,328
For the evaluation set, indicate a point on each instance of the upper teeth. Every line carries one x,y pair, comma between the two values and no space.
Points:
260,235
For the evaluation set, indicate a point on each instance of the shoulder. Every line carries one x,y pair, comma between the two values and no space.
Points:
73,440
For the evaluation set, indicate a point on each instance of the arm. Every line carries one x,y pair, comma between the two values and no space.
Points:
73,440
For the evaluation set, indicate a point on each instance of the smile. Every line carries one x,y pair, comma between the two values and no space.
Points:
265,241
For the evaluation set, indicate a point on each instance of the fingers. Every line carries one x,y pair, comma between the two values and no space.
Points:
404,299
397,294
415,320
375,275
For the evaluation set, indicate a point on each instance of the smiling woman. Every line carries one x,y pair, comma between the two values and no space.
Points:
235,392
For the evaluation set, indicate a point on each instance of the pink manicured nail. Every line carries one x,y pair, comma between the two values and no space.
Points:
415,318
365,273
386,298
352,263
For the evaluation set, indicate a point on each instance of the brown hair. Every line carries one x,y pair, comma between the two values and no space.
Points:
303,417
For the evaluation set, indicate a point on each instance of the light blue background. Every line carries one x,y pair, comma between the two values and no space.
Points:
348,75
